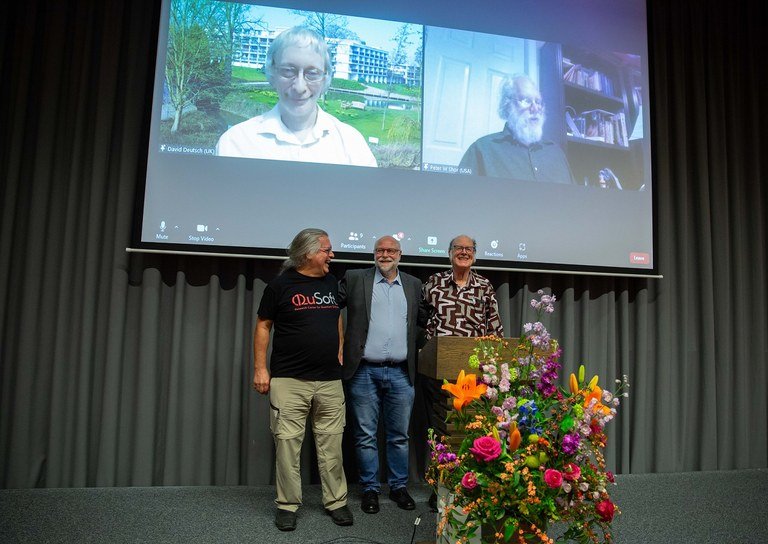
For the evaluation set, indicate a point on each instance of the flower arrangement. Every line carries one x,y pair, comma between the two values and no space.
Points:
532,452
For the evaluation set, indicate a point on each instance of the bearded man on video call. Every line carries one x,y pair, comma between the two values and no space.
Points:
519,152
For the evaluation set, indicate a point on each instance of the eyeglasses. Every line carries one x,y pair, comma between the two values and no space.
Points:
326,250
387,251
290,73
468,249
526,103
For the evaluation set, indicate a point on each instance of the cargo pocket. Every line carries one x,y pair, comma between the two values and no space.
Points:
330,417
274,419
286,422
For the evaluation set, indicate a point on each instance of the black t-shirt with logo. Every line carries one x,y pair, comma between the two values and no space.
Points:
305,312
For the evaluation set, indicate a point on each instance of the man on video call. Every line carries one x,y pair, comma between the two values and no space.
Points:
518,151
299,68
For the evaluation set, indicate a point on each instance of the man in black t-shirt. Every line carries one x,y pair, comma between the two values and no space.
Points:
301,304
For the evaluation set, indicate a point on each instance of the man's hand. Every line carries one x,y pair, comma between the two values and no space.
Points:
261,380
260,344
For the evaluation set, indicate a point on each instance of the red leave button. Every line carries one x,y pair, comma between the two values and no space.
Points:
639,258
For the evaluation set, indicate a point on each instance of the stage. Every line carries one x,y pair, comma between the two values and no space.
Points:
692,507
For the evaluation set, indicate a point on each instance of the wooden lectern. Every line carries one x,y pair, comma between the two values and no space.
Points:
442,358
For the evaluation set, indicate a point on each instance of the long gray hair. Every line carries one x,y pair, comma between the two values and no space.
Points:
305,243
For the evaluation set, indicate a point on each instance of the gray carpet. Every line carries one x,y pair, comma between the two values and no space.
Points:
701,507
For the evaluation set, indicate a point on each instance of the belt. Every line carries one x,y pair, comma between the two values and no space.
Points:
382,363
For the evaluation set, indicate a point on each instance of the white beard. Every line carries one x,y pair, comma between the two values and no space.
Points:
523,129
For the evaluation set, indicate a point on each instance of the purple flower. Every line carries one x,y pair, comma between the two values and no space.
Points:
444,458
504,385
509,403
491,393
571,443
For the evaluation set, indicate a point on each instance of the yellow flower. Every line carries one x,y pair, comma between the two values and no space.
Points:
465,390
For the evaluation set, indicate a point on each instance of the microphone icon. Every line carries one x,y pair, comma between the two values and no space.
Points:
162,226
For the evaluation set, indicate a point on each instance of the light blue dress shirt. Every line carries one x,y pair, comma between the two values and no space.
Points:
388,329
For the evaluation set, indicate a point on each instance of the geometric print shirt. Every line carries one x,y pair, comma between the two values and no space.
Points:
471,310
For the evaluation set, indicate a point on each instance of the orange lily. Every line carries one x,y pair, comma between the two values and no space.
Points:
465,390
514,437
597,394
573,384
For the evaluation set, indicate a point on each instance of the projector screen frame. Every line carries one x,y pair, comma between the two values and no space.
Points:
139,245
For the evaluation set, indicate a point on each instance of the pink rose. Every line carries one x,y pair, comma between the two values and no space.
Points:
610,476
571,472
553,478
605,510
485,448
469,480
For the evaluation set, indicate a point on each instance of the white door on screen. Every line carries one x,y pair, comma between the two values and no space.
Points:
463,72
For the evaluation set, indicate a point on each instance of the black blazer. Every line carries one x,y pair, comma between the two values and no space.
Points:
355,292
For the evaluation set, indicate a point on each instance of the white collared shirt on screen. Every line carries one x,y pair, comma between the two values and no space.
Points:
266,137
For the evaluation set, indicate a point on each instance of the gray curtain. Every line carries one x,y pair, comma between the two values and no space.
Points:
122,369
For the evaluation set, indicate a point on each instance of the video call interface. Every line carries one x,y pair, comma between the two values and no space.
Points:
529,133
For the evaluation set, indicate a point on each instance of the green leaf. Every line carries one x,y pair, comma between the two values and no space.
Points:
509,528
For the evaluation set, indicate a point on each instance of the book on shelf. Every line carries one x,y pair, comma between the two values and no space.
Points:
575,124
588,78
604,126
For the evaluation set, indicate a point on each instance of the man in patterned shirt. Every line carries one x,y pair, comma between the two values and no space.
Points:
465,305
464,301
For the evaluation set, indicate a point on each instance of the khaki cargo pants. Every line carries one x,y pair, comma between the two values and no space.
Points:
291,401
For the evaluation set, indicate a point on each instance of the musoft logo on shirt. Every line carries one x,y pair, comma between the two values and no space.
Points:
317,300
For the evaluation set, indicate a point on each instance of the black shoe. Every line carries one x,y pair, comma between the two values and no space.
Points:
285,520
433,502
370,503
341,516
402,498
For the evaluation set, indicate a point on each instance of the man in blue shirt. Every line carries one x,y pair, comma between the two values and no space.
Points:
384,310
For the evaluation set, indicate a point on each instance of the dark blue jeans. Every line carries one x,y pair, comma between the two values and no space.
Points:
385,391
